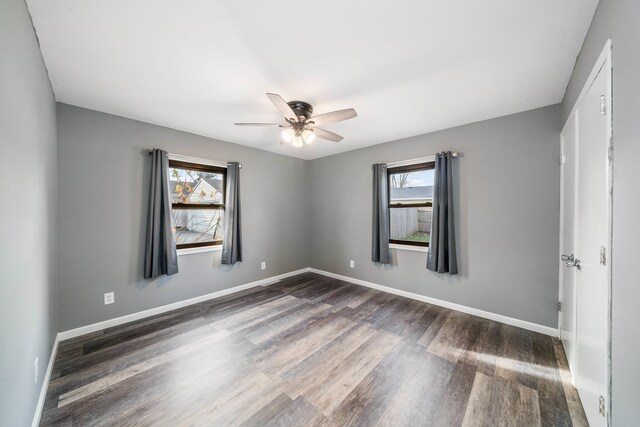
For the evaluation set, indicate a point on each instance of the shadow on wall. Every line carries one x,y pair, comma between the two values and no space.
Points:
137,268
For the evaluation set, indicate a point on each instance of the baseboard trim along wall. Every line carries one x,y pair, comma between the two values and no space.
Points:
45,383
94,327
547,330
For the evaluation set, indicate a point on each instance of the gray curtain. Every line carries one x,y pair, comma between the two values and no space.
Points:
160,255
442,246
232,243
380,241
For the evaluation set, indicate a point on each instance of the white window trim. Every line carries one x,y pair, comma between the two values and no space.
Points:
411,248
411,161
201,249
197,160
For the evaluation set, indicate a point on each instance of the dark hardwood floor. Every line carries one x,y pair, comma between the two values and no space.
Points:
311,350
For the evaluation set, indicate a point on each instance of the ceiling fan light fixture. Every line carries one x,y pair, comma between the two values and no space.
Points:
288,135
297,140
308,136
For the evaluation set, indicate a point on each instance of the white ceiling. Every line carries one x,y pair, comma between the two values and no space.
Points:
407,67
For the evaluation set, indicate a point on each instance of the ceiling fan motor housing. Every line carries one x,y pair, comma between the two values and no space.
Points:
301,108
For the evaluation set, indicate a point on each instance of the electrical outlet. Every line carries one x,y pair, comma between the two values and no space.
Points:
352,264
263,265
109,298
35,371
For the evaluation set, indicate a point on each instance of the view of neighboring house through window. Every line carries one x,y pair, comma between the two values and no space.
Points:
410,203
197,200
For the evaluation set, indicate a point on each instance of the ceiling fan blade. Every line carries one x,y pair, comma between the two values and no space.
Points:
257,124
325,134
282,106
334,116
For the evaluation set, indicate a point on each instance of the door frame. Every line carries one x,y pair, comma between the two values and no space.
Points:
603,64
572,360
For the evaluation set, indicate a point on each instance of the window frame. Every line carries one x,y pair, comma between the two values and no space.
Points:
181,164
430,165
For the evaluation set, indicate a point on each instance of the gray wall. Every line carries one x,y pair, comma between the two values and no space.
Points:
507,216
618,20
28,305
102,198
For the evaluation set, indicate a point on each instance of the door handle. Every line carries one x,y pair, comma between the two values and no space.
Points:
570,261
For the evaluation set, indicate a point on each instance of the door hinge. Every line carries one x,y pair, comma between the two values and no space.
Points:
601,408
559,306
603,105
563,159
603,255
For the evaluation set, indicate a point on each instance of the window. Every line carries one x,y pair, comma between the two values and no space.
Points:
197,201
410,203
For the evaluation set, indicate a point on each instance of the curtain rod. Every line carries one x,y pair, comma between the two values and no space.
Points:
193,159
454,154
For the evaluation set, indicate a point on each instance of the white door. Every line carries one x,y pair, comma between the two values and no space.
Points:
592,231
567,319
585,241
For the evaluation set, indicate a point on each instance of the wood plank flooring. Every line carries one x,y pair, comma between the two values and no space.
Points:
312,351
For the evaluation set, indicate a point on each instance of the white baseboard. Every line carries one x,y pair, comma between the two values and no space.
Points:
45,383
547,330
173,306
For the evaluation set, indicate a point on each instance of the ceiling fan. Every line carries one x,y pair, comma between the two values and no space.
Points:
301,126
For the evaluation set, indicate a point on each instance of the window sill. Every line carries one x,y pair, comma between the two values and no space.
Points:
189,251
409,247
